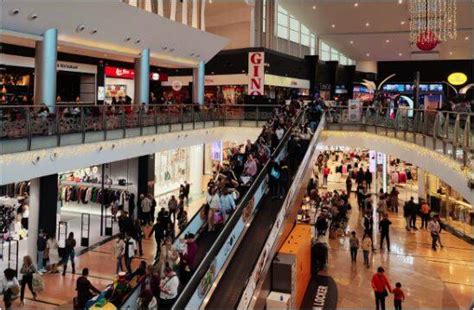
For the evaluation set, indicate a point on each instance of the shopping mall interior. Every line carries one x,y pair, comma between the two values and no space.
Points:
244,154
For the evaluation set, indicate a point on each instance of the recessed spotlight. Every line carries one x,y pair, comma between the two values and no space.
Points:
137,41
400,1
387,41
94,31
367,24
402,22
80,28
367,54
356,4
466,38
351,42
400,54
14,12
127,39
314,7
210,1
32,16
333,26
450,53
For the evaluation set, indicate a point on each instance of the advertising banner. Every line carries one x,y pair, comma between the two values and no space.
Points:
256,73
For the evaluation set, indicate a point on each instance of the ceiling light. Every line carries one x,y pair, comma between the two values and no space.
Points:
127,39
314,7
14,12
80,28
367,54
137,41
32,16
450,53
356,4
400,54
333,26
400,1
402,22
367,24
210,1
352,42
94,31
466,38
387,41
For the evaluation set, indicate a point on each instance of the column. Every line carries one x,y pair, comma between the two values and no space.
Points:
197,167
160,7
385,172
43,210
195,14
198,83
45,69
173,10
184,12
142,78
421,184
203,15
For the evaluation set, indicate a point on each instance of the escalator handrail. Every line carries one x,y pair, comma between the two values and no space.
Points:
201,270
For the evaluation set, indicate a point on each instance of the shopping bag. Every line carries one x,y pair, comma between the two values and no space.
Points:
38,282
218,218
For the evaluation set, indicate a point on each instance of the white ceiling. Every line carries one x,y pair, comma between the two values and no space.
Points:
171,43
385,23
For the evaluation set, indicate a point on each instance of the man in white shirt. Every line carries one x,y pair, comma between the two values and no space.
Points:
146,204
129,252
168,289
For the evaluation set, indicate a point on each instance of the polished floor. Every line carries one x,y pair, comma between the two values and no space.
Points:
442,279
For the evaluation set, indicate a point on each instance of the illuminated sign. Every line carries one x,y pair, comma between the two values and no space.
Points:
457,78
129,74
256,73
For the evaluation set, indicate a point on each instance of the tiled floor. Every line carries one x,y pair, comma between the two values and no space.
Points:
431,280
60,290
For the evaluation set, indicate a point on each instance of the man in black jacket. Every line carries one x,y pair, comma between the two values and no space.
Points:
85,289
384,228
412,206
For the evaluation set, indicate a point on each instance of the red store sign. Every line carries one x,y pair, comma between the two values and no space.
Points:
122,73
256,73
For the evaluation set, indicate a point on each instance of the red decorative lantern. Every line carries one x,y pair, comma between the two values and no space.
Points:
427,41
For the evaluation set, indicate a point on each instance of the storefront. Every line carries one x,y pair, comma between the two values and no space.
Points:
75,82
120,84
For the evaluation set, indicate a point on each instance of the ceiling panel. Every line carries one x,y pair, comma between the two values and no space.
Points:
341,22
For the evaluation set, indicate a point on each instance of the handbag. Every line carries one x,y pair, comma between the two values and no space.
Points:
384,293
218,218
274,173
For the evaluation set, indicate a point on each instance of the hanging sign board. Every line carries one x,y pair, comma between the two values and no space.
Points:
256,73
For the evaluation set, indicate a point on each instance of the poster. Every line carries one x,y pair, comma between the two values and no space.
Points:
256,73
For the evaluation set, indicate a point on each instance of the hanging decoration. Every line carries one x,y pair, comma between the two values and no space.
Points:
432,22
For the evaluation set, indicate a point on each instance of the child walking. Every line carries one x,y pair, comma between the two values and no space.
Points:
398,296
366,247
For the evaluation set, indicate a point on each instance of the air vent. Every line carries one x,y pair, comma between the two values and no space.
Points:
425,55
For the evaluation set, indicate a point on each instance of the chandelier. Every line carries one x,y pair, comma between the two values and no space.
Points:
432,22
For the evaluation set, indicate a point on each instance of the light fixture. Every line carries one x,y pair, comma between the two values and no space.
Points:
400,1
333,26
387,41
127,39
356,4
94,31
432,22
351,42
314,7
367,54
137,41
80,28
400,54
450,53
367,24
402,22
466,38
210,1
14,12
32,16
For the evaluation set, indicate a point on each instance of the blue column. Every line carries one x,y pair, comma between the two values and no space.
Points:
45,69
198,83
142,78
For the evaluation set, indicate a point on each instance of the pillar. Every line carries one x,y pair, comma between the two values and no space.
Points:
184,12
198,83
173,10
197,168
45,69
421,183
43,210
194,20
142,78
203,15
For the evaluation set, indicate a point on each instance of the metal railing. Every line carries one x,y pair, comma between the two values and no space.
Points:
28,122
449,133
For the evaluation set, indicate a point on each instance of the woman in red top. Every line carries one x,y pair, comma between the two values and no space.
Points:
380,285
